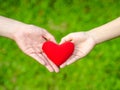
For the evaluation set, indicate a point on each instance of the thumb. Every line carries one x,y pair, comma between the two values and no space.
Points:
66,38
49,37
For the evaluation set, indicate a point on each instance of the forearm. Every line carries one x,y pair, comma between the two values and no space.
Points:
106,32
8,27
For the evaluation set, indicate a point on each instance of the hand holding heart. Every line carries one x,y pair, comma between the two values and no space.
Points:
80,45
41,45
83,44
30,40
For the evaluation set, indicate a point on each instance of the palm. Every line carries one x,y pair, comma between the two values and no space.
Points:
30,40
83,45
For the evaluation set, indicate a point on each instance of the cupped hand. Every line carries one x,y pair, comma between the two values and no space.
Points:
83,45
30,39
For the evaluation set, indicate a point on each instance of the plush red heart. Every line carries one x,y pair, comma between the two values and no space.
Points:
58,53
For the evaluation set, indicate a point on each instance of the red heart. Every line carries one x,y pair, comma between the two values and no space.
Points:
58,53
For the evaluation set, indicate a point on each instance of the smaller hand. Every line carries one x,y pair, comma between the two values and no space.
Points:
30,40
83,45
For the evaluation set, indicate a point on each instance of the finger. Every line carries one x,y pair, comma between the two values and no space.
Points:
38,50
63,40
37,54
49,68
39,59
52,39
56,69
47,62
66,38
40,54
63,65
49,37
54,66
72,60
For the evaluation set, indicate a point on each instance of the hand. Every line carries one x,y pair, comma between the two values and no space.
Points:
83,45
30,40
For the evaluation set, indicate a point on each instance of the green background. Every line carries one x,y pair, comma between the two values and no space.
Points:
99,70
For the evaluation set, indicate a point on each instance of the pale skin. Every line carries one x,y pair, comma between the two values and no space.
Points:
29,38
86,41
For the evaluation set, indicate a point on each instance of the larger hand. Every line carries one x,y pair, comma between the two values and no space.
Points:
30,39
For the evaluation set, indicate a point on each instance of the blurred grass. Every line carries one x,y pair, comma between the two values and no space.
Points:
100,70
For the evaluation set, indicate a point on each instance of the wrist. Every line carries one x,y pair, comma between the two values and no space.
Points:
92,34
18,30
12,30
9,26
106,32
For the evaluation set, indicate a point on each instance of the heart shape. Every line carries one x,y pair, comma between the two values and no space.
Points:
58,53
